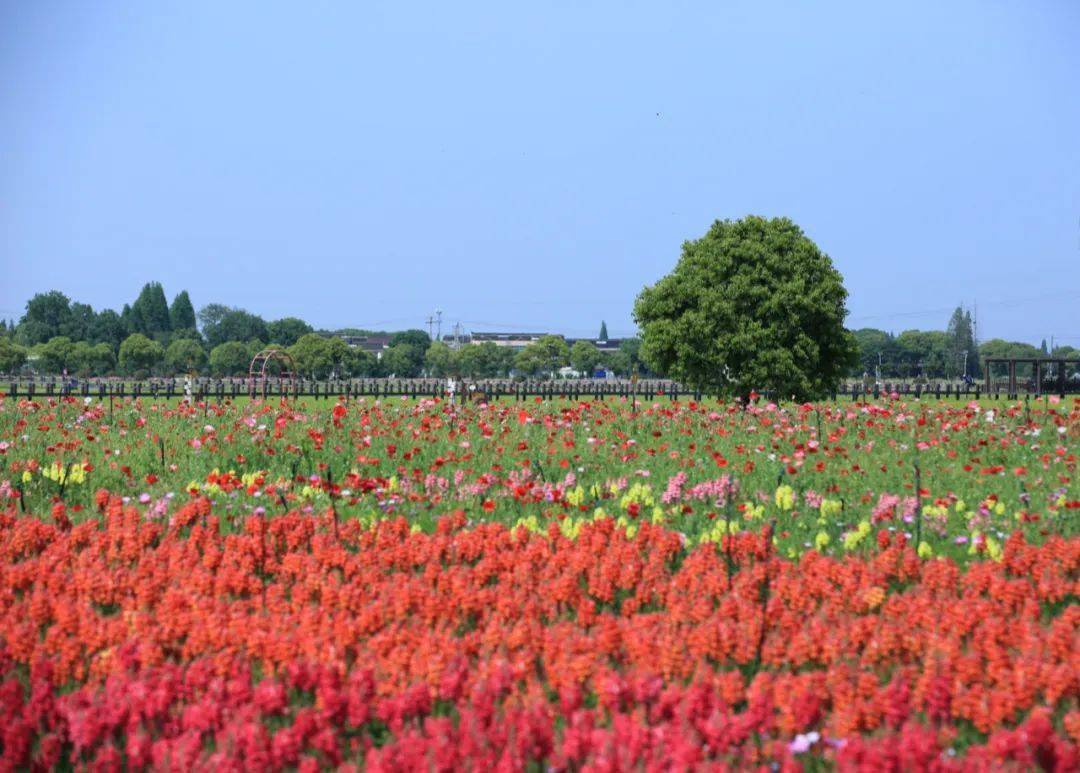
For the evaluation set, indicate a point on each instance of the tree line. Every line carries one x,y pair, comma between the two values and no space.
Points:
941,354
153,337
150,337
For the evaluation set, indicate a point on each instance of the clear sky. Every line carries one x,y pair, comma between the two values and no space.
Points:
533,165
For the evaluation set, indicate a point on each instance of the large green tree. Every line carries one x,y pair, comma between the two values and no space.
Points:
140,354
287,331
752,305
12,356
584,357
182,313
53,355
231,358
150,312
485,360
185,355
48,315
961,331
235,325
545,355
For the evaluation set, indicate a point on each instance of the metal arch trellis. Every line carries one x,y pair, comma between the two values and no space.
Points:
257,374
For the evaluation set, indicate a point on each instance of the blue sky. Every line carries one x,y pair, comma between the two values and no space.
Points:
534,165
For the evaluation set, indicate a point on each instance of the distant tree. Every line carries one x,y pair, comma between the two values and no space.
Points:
139,354
409,348
47,316
404,360
82,360
440,360
999,348
104,359
150,312
545,355
319,357
12,356
412,337
927,354
83,322
287,331
211,314
603,331
876,346
53,355
186,334
584,357
182,313
129,321
185,355
108,328
618,362
231,358
361,363
631,347
753,304
1042,348
236,325
961,332
485,360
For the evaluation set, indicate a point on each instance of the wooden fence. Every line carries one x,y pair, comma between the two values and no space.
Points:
205,389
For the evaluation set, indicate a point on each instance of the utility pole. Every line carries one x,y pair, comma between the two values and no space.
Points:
430,321
438,320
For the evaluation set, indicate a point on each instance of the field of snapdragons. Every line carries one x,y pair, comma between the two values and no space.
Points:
410,584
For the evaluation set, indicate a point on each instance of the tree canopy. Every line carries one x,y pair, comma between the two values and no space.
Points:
753,304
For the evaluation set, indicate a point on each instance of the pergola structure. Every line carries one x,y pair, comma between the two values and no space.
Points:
257,372
1038,364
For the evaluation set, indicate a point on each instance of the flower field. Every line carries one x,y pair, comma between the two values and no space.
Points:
403,585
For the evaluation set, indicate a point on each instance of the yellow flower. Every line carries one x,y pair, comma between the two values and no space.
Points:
785,497
830,508
26,476
999,508
925,551
576,496
821,540
960,506
853,538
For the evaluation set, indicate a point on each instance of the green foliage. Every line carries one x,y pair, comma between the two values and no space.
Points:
417,338
231,358
319,357
109,329
150,312
139,354
287,331
185,355
440,360
584,357
485,360
545,355
603,331
961,332
47,316
12,356
926,354
182,313
754,304
88,359
235,325
53,355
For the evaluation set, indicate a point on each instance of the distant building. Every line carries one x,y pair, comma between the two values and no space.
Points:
372,344
603,344
515,341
